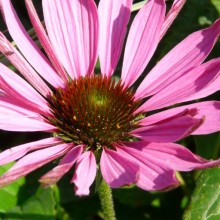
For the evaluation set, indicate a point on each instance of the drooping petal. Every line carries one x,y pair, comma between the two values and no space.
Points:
72,26
64,166
142,40
16,87
168,131
23,66
209,110
12,104
197,83
172,155
153,119
190,53
118,170
85,173
6,108
17,152
113,20
152,176
27,46
18,122
16,118
210,88
171,15
45,40
33,161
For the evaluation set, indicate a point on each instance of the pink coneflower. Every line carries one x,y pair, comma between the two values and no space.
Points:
97,122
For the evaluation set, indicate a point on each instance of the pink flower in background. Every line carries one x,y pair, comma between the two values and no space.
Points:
94,122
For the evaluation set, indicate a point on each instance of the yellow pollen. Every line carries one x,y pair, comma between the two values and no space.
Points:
118,126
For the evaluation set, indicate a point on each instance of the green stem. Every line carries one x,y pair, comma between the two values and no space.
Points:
105,195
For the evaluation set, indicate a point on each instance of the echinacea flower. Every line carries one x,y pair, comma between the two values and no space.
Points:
96,122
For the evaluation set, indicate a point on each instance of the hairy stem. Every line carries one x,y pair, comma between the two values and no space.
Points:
105,195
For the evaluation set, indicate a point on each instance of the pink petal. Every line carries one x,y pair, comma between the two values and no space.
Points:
44,39
15,118
113,20
168,131
197,83
85,173
209,110
188,54
152,176
18,122
17,152
155,178
118,170
209,88
15,106
64,166
19,89
172,155
72,27
22,66
142,40
162,117
6,108
33,161
27,46
171,15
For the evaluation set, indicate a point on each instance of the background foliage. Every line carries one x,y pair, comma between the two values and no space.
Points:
198,197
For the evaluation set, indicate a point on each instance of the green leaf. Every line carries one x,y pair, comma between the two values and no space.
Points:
9,193
205,203
41,203
40,206
216,3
